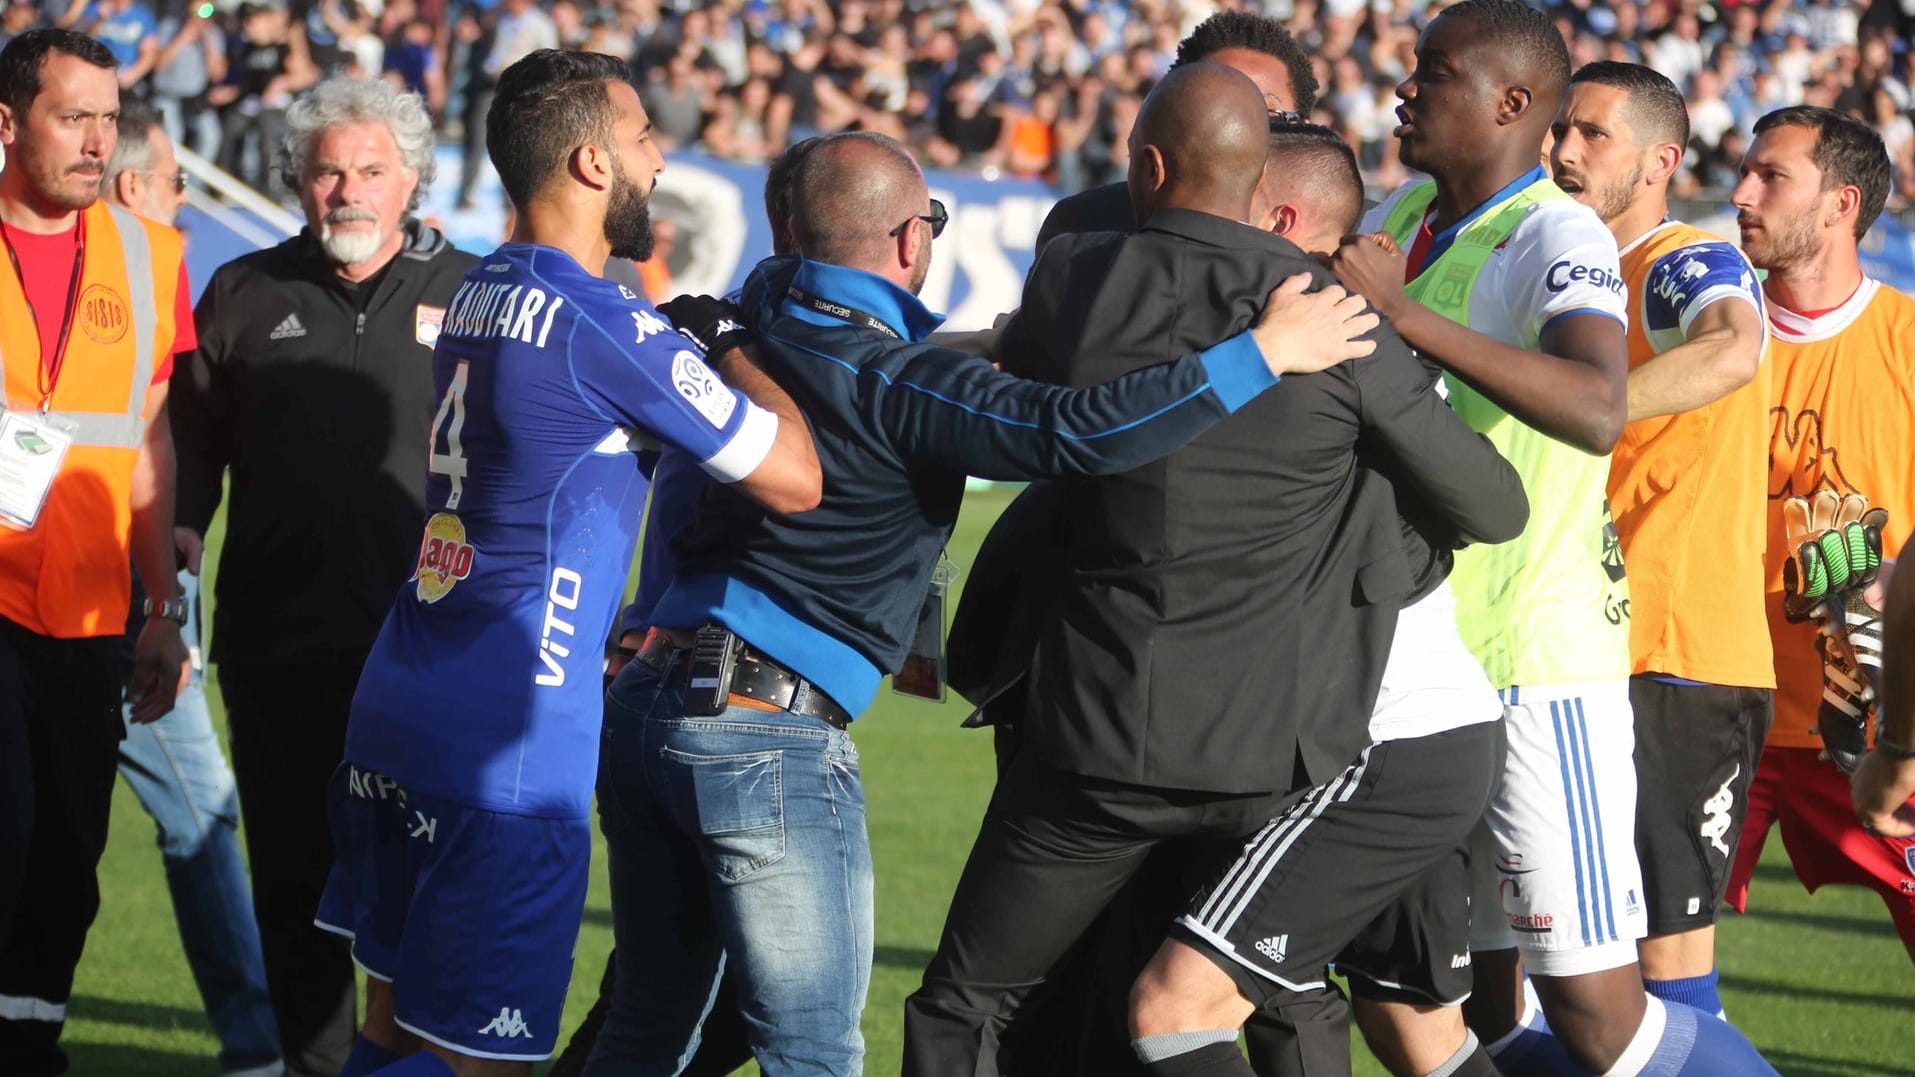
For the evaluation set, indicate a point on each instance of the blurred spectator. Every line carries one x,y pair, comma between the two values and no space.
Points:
412,58
266,65
509,32
675,100
125,27
1029,88
191,62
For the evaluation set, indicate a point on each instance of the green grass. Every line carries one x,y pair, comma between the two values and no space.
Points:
1821,983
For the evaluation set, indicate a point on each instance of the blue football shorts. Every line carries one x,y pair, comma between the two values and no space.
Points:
471,915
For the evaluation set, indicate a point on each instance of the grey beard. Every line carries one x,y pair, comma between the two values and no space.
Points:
351,248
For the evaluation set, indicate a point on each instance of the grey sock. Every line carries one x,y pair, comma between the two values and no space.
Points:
1171,1044
1470,1046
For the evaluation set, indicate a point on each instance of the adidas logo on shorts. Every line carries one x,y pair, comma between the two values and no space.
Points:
1274,947
508,1024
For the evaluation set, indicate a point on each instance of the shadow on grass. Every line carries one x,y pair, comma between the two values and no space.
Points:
118,1058
1820,993
1796,1064
1874,927
151,1015
908,958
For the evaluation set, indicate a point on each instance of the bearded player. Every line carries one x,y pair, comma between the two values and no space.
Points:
1686,484
1842,392
460,813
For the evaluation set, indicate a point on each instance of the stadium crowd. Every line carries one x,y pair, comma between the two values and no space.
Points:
1506,807
1033,88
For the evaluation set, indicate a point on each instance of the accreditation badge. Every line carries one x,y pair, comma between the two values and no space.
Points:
922,673
31,452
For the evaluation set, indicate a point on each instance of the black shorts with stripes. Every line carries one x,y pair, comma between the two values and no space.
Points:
1369,871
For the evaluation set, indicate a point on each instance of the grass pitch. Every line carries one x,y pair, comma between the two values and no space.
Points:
1821,983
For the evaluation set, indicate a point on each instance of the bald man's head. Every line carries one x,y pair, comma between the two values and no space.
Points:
1199,143
1312,193
855,201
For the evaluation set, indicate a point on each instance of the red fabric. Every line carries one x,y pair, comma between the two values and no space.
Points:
46,263
1810,798
1811,314
185,337
46,268
1419,251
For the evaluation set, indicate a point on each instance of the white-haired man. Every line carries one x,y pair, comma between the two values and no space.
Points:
312,383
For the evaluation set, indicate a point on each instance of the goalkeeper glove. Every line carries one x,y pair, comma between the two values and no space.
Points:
1835,546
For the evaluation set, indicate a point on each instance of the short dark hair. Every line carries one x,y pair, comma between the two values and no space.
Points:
1526,34
546,106
1847,151
134,150
1656,108
1321,158
778,177
20,63
1258,33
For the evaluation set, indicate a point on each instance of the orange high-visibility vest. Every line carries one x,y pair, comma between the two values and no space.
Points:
67,576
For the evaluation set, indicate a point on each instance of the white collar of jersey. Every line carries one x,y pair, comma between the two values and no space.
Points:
1801,329
1645,237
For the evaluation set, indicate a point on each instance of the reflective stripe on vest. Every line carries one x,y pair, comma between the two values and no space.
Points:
122,430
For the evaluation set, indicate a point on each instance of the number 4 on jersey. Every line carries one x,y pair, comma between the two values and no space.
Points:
451,463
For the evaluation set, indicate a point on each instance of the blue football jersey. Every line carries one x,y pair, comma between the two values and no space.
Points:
484,685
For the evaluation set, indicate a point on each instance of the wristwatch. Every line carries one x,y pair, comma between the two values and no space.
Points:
173,609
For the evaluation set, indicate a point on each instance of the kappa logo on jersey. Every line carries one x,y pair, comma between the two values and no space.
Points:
508,1024
698,385
1562,274
1715,812
1812,467
289,328
426,322
445,557
648,324
1274,948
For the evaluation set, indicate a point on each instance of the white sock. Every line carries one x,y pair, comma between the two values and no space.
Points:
1642,1047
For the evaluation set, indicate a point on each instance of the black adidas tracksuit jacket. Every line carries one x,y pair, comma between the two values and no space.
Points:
317,394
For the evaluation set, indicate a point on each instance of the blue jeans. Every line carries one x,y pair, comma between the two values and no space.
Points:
176,768
739,838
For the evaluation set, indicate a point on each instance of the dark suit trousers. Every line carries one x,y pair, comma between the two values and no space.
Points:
288,727
1055,850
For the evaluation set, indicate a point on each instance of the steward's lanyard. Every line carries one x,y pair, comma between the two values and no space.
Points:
47,375
841,312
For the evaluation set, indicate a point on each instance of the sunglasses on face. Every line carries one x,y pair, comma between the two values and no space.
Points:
938,218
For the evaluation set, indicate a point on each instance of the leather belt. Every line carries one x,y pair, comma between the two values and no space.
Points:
757,682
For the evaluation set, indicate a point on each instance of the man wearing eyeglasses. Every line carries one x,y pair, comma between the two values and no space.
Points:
175,764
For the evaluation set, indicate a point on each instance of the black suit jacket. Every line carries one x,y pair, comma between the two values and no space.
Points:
1098,209
1226,612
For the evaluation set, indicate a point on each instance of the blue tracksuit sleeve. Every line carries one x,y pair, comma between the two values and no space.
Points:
962,413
